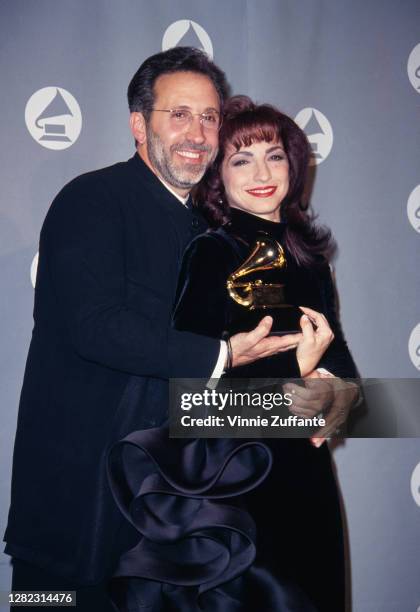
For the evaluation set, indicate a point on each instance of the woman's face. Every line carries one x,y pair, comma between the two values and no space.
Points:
256,178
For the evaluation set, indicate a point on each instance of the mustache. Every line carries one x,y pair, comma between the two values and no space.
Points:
191,146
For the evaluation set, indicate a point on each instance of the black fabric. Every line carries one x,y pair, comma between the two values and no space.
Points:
199,546
232,525
102,349
204,306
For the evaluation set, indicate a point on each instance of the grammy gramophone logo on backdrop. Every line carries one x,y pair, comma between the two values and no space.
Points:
53,118
187,33
413,68
415,484
414,346
413,208
319,132
34,269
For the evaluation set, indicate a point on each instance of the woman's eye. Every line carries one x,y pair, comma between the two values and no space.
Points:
277,157
240,162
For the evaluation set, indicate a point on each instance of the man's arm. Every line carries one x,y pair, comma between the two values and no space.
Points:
83,262
82,256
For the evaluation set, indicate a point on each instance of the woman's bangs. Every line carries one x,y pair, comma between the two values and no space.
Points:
246,135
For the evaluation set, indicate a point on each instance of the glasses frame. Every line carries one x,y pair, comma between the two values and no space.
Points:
191,115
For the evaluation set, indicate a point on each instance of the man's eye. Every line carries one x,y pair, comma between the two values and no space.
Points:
179,114
210,118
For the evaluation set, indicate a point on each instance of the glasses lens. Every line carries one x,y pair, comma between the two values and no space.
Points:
210,121
180,117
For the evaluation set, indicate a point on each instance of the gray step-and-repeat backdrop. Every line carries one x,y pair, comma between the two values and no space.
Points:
349,72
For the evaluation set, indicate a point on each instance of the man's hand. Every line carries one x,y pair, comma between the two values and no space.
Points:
345,395
315,397
250,346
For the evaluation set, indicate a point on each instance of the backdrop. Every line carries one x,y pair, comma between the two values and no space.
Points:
349,72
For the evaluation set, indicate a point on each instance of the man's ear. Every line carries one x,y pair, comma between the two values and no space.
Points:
138,127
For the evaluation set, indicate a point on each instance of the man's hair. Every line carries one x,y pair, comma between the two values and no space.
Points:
140,92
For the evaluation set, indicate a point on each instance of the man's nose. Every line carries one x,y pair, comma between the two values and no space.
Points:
262,172
195,130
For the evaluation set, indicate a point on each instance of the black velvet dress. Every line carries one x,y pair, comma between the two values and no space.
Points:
233,525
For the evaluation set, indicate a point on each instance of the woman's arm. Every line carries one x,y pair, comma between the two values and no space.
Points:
337,358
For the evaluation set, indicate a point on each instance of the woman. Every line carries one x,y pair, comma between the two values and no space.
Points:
233,525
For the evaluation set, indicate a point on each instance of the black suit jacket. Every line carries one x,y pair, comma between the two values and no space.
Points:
102,350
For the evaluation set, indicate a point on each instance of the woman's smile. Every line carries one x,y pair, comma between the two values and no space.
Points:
262,192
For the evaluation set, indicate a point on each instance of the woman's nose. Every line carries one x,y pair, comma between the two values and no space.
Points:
262,172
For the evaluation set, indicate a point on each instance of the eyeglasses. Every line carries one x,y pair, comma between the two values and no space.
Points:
181,117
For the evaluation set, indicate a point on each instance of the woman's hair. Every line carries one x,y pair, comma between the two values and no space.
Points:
245,123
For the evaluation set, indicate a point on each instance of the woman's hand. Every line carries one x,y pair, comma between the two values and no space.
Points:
314,343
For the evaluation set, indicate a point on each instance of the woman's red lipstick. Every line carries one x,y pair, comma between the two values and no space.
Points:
262,192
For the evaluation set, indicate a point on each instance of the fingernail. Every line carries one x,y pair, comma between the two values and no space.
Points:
317,442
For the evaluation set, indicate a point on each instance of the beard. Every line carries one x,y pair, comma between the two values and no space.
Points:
182,175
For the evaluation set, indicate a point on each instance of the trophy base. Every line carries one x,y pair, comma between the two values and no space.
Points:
285,319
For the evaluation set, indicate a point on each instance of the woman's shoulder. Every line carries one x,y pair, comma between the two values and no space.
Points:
213,242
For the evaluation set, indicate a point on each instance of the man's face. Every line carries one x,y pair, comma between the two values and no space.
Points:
180,154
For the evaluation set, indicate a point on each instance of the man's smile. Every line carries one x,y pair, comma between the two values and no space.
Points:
190,155
194,154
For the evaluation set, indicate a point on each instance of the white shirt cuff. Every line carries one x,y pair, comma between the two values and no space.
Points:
324,371
220,365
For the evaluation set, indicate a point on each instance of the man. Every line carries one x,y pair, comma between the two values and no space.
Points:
102,346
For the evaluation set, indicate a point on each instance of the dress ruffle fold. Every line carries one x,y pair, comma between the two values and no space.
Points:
183,498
